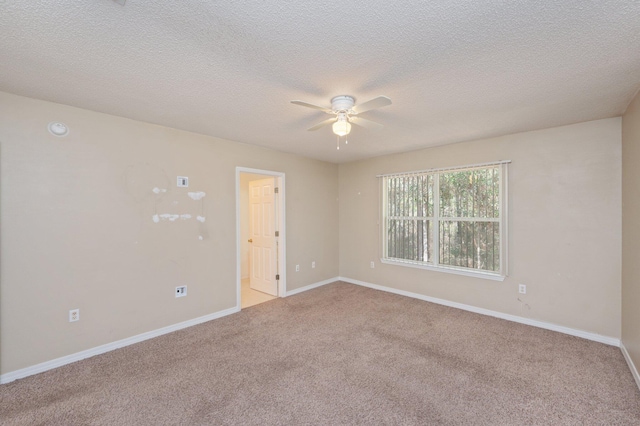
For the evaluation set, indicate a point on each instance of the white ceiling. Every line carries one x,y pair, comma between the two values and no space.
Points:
455,70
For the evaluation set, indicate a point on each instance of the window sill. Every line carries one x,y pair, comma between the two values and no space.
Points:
465,272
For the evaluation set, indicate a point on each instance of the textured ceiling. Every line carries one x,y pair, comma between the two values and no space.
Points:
455,70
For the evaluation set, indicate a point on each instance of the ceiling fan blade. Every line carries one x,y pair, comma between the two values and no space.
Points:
308,105
367,124
322,124
374,103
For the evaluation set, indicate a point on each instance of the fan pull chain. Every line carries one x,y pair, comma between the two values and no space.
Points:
338,142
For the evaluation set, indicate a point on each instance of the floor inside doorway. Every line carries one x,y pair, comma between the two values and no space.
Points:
250,297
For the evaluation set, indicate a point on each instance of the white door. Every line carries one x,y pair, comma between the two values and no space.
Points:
262,236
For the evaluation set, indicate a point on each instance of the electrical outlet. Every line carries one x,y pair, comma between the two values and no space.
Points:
313,264
74,315
181,291
297,268
522,288
373,264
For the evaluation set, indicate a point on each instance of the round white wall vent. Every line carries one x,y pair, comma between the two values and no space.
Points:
58,129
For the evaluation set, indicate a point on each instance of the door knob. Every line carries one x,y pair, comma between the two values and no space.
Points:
250,240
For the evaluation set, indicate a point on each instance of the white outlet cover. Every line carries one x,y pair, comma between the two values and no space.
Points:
182,182
74,315
313,264
373,264
522,289
297,268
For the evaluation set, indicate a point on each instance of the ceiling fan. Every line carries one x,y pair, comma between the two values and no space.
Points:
345,112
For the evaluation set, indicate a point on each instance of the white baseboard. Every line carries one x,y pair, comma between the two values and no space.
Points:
312,286
58,362
68,359
632,366
540,324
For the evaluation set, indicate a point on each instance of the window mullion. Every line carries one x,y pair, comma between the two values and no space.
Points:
436,219
500,227
385,217
503,196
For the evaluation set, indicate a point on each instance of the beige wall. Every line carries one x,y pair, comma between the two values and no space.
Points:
631,231
77,230
564,218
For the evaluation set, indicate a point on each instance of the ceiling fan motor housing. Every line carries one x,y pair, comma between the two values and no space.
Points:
342,103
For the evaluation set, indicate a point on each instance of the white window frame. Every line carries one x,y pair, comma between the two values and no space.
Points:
433,263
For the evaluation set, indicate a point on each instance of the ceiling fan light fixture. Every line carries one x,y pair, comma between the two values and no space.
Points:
341,127
344,109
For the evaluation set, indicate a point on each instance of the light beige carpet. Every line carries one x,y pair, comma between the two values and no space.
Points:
337,355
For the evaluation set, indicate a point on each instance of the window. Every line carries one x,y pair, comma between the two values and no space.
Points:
447,219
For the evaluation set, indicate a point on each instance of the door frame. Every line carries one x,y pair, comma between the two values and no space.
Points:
282,240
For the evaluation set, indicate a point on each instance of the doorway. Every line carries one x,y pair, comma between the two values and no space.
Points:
260,236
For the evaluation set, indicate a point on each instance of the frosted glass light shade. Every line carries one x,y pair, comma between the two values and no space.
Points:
341,127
